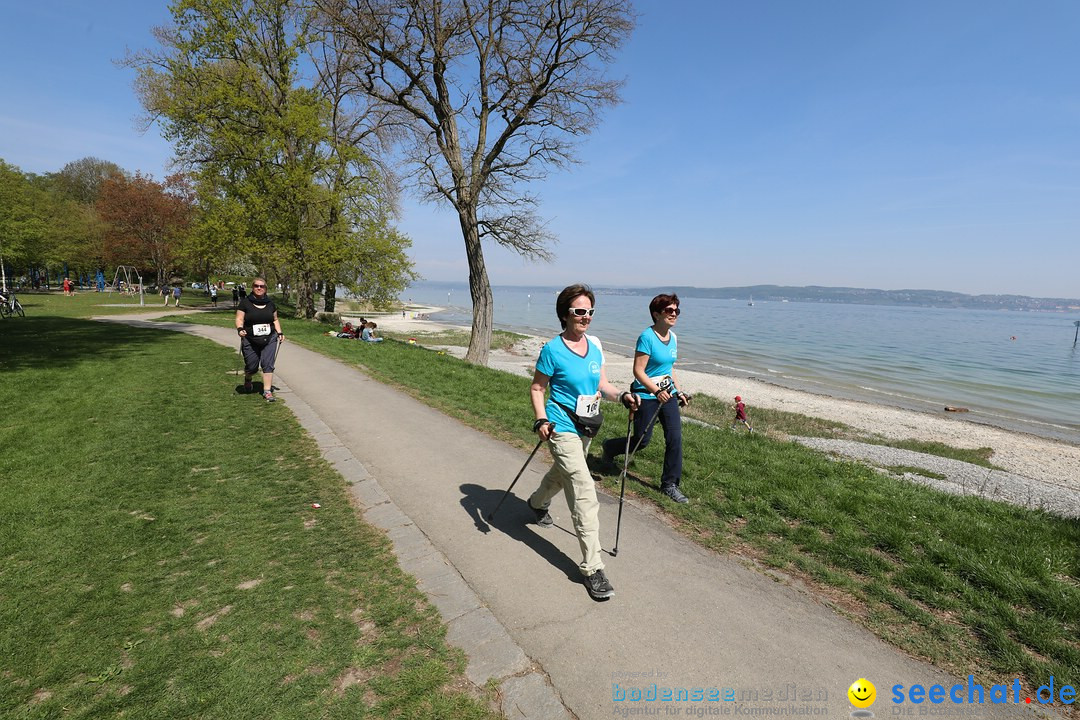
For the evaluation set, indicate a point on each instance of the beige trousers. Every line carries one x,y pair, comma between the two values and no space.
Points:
570,473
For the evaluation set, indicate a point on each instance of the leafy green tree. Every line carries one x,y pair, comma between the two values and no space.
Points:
273,181
81,179
43,223
22,228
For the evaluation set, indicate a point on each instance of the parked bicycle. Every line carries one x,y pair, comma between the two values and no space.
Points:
10,305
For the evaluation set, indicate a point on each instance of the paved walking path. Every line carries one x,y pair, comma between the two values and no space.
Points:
682,617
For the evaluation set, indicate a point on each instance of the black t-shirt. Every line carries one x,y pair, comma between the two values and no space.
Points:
258,315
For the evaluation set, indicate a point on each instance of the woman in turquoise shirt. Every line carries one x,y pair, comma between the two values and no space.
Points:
572,366
654,380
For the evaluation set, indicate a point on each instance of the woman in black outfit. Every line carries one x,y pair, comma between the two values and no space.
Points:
259,329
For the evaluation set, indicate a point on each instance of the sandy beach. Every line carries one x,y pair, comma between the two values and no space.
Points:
1041,459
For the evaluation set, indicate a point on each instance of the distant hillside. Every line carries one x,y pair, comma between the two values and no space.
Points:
865,296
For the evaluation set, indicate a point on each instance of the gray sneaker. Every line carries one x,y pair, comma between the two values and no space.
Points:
543,517
598,586
673,492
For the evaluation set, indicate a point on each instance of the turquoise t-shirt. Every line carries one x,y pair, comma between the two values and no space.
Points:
662,357
571,376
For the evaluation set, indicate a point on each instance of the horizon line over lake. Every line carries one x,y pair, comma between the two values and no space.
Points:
1018,370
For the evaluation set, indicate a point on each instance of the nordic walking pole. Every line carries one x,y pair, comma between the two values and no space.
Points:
622,489
491,515
648,426
277,349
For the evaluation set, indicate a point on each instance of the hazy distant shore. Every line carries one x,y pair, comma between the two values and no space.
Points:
1025,454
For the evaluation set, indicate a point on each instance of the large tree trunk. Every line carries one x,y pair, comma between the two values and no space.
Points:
329,297
305,296
479,290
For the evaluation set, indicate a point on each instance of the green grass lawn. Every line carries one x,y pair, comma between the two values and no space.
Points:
969,584
160,556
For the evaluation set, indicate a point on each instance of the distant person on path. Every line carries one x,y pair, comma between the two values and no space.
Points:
572,366
166,292
213,294
655,354
740,414
368,333
235,295
177,289
67,287
259,329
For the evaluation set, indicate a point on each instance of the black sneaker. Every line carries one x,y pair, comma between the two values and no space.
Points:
598,586
673,492
543,517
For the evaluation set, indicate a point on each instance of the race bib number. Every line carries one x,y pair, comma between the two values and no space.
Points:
663,383
261,330
587,405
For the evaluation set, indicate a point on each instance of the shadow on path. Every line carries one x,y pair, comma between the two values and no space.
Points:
515,520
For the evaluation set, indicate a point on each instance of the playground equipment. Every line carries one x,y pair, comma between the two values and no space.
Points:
127,280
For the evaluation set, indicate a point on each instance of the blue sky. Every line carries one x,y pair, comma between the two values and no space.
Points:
870,144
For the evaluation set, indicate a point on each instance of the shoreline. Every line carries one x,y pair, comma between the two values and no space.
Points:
1045,459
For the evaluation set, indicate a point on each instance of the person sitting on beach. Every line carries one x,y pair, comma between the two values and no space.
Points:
368,334
740,414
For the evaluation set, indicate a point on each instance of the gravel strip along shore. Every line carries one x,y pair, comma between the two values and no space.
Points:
961,478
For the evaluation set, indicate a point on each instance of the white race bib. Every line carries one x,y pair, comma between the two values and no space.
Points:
663,382
587,405
260,330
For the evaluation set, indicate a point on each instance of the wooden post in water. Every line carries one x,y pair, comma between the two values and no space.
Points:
1077,333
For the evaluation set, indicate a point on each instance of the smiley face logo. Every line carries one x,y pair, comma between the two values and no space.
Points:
862,693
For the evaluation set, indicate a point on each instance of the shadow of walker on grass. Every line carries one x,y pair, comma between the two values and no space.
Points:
257,388
601,469
516,520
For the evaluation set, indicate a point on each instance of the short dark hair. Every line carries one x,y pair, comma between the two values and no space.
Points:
567,296
662,301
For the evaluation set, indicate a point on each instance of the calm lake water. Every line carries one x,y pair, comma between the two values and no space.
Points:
917,358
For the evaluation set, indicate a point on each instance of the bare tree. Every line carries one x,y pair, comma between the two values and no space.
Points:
490,94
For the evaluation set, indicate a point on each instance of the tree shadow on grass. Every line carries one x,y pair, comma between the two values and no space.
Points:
51,342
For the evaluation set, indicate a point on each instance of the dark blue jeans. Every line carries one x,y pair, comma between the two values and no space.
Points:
669,419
